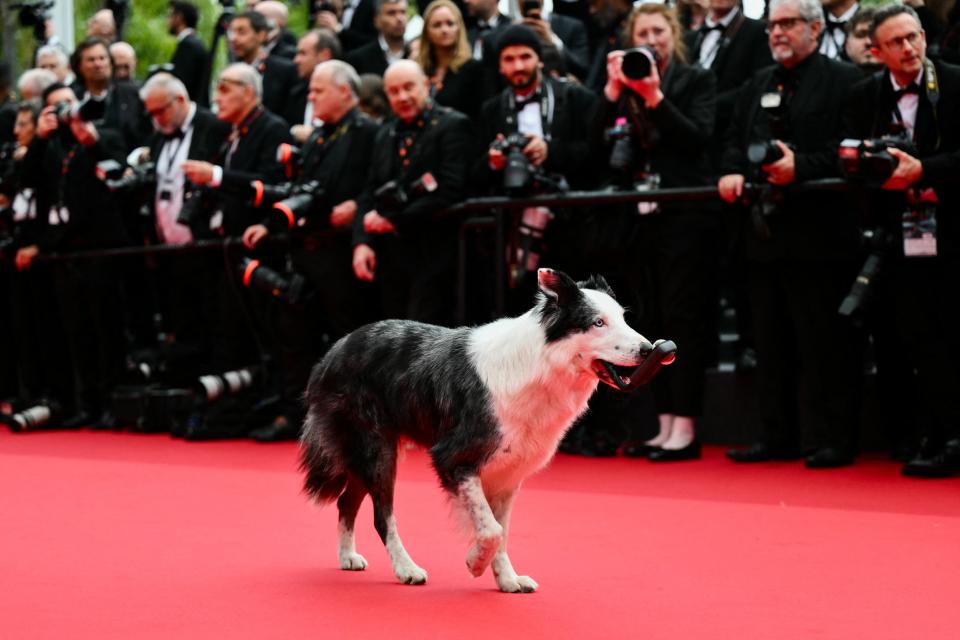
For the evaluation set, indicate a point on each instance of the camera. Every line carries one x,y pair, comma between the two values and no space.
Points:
870,160
391,197
639,62
531,8
291,158
192,207
115,177
295,205
517,171
764,152
43,414
34,15
621,134
878,242
254,275
87,110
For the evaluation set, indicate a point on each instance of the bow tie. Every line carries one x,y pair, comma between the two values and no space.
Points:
705,28
837,25
173,135
910,88
483,26
533,98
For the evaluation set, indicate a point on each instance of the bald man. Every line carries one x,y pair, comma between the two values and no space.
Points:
407,247
102,25
124,62
280,41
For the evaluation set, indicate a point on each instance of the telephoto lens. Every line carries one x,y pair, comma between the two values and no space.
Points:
638,62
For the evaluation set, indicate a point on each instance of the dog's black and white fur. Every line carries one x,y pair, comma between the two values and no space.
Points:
491,404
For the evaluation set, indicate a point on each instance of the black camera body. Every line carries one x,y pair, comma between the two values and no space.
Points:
143,176
870,160
255,275
88,110
392,197
764,152
299,199
638,62
34,15
518,172
621,134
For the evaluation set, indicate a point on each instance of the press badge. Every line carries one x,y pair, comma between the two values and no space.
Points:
771,100
920,224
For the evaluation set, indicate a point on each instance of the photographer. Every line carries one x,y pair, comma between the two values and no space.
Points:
665,112
247,154
913,100
81,214
800,246
419,168
334,165
182,131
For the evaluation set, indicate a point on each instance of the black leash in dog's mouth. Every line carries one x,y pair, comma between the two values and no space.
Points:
664,353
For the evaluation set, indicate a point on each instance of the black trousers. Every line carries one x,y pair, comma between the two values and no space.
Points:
416,273
927,314
802,342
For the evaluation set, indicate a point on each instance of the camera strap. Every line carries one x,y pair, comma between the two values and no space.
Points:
547,108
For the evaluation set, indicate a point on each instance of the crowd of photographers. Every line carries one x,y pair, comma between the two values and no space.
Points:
310,191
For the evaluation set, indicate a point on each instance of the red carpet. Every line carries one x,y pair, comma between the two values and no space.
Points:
109,535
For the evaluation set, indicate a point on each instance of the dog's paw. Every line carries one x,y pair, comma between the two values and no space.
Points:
352,562
481,553
409,573
517,584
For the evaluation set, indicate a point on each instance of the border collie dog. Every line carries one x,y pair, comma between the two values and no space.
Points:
490,403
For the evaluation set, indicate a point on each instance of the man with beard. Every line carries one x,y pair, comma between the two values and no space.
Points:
419,168
800,246
190,57
390,46
247,33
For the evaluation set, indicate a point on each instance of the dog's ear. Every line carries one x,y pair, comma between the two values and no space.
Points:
597,283
557,286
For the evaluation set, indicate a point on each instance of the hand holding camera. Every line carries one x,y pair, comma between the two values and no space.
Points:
909,170
782,171
636,69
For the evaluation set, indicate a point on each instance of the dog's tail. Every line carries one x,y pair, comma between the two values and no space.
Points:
321,461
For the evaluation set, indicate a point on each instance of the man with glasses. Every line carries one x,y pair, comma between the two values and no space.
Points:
800,246
917,99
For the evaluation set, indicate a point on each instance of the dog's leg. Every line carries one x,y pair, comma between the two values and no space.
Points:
507,578
488,533
381,490
348,505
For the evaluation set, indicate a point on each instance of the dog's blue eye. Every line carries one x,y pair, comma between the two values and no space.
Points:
598,322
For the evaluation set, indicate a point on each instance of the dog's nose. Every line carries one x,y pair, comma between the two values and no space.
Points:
645,348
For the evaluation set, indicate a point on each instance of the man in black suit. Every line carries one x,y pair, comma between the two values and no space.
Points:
389,47
800,246
80,214
316,46
918,206
483,35
249,153
337,157
190,59
407,248
566,35
280,41
837,13
183,131
247,33
733,47
123,109
352,21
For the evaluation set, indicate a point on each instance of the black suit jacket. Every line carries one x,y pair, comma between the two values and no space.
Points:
279,79
255,158
190,62
568,150
208,135
814,225
368,59
743,51
124,112
465,89
361,30
681,126
576,50
937,138
443,147
296,103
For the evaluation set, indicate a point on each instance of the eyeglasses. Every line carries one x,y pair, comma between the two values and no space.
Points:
153,113
912,38
785,24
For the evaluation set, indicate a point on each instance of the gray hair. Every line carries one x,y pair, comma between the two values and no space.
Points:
810,10
166,82
248,76
35,81
341,75
63,59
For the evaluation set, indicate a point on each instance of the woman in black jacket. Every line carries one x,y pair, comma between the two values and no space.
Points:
666,119
456,79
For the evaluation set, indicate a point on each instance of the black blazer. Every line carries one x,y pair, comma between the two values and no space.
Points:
576,50
814,225
568,150
681,126
208,136
255,158
743,51
190,62
296,103
937,138
337,156
124,112
465,89
279,79
361,29
443,148
368,59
